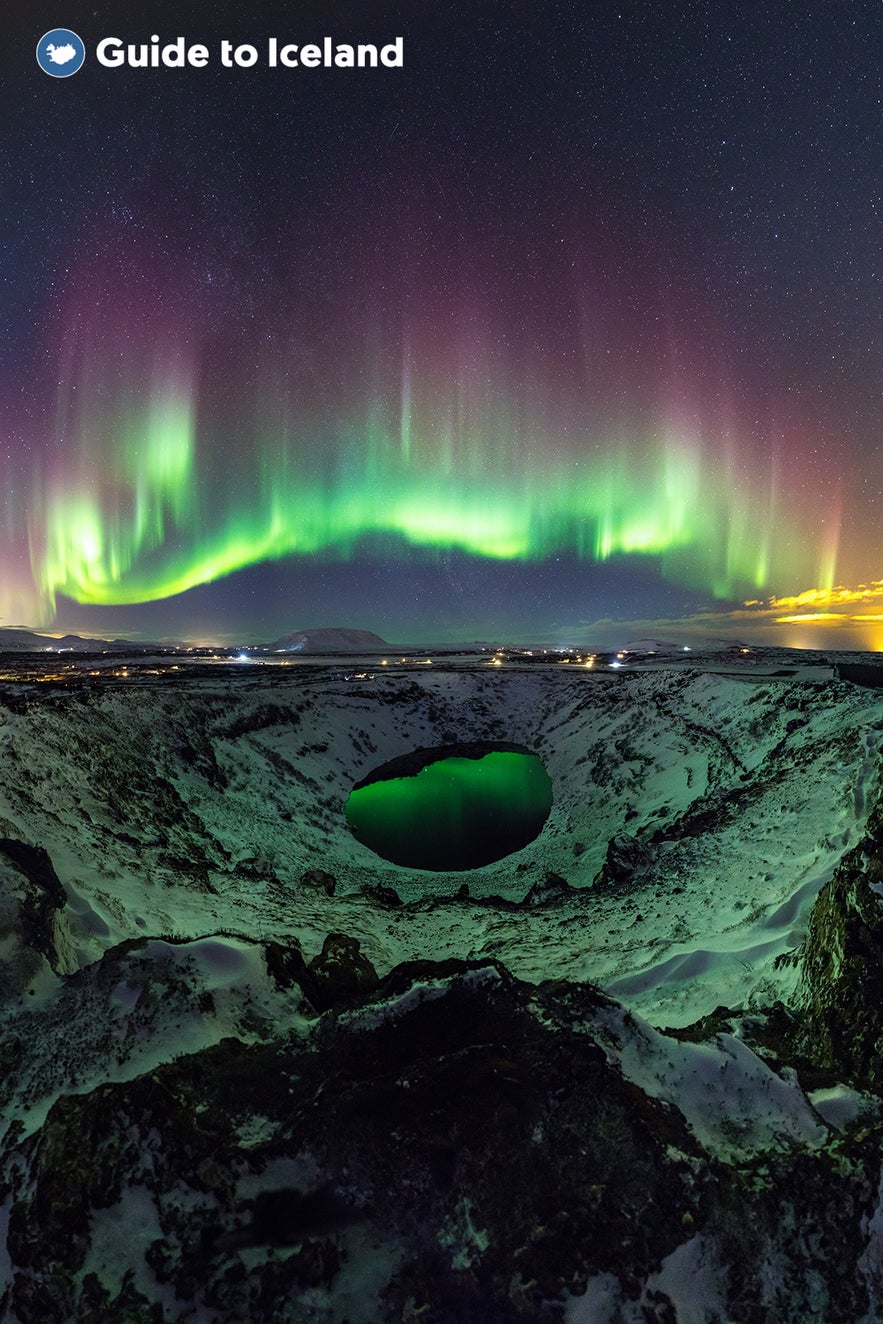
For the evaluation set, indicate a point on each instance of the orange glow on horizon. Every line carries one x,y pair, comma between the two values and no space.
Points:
839,596
814,616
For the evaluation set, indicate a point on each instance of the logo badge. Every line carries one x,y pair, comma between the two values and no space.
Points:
60,53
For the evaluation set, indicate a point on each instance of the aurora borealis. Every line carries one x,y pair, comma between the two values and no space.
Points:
279,350
459,457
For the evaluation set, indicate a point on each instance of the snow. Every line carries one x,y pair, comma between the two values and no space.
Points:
689,1278
870,1264
368,1259
185,821
147,1007
781,773
599,1304
840,1105
369,1262
735,1104
119,1238
419,992
702,924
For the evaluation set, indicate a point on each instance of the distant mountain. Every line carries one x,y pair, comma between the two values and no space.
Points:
28,641
730,645
330,640
652,646
666,646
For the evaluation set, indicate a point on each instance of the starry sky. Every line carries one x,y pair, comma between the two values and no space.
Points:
569,327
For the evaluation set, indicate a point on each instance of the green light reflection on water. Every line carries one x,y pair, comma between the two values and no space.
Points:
456,813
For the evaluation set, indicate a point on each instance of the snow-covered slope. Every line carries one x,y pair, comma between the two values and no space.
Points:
329,639
699,815
251,1070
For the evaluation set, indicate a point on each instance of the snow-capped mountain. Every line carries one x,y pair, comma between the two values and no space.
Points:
330,640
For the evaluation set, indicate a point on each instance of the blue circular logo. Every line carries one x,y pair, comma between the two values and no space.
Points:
60,53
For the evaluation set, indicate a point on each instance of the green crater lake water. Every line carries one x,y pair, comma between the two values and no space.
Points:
456,813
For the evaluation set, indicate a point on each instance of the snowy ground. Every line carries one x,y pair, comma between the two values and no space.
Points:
188,809
158,1017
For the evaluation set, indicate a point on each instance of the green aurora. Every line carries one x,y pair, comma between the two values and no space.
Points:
146,511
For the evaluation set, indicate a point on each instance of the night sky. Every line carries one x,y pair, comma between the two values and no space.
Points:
568,329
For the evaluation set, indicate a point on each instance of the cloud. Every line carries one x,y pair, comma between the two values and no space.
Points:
815,618
830,597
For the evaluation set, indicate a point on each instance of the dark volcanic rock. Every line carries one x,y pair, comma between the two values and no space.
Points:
468,1144
339,976
385,897
319,879
340,973
860,673
289,1217
287,967
841,968
507,1162
410,764
32,900
626,857
552,888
